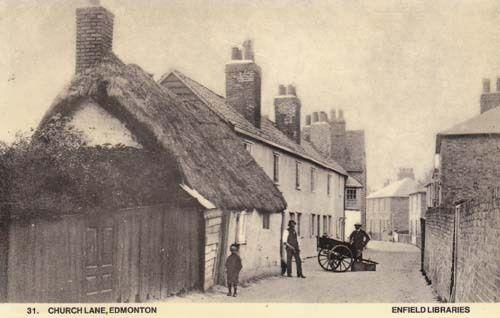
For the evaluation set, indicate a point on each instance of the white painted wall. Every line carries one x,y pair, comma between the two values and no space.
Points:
304,200
99,127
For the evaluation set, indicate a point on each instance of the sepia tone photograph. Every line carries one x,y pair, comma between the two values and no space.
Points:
230,151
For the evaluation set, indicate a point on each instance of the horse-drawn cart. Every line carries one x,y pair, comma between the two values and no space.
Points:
338,256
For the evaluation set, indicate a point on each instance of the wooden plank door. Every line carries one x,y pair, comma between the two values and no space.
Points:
98,284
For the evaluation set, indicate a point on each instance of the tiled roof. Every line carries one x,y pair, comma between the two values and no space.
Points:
401,188
485,123
268,133
355,150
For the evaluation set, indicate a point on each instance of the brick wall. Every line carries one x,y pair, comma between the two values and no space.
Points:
287,115
320,137
478,248
438,250
243,89
478,252
94,35
469,165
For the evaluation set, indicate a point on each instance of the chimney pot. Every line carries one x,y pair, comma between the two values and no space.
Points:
341,114
486,85
308,120
315,117
235,53
248,50
498,84
323,117
291,90
333,115
282,90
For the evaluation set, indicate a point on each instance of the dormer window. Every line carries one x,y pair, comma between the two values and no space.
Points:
248,146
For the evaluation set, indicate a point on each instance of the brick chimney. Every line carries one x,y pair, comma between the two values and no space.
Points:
406,173
243,83
94,35
320,133
489,99
287,112
306,131
338,137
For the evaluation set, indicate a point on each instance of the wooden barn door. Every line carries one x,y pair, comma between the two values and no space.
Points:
98,251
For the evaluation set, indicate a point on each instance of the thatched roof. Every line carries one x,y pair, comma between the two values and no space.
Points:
268,133
211,158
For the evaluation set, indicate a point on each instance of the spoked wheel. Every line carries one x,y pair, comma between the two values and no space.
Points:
324,259
341,258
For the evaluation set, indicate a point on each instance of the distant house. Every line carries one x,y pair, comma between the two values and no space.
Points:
127,247
353,204
417,207
387,209
347,147
312,185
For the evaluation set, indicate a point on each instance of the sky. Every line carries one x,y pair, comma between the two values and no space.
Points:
401,70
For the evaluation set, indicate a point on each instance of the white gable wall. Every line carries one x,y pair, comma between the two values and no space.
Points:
99,127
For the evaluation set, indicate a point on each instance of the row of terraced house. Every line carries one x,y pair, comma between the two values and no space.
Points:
183,173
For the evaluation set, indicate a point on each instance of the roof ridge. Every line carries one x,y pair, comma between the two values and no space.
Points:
321,160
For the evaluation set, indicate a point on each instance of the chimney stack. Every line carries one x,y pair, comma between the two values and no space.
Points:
486,85
333,115
315,117
406,173
488,98
308,120
243,84
94,35
287,113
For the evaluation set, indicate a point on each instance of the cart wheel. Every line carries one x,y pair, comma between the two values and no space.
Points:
325,259
342,259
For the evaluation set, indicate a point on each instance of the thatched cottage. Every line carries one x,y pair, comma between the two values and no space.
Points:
162,173
312,185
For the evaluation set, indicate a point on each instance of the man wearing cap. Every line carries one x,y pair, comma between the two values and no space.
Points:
291,243
358,240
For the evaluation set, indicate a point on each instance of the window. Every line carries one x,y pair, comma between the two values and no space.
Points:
325,225
351,194
266,221
299,221
248,146
313,176
329,225
276,168
328,184
318,225
313,221
297,175
292,216
241,228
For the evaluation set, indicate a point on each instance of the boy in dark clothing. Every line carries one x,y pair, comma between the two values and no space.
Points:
233,268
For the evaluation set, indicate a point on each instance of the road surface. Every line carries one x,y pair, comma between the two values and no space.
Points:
397,279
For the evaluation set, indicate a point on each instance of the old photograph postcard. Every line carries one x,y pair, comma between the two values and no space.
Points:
162,157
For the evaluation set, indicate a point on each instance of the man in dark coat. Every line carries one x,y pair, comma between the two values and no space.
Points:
358,240
291,242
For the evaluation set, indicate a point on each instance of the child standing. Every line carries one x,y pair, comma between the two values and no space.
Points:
233,268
